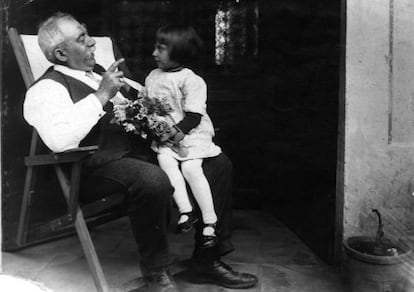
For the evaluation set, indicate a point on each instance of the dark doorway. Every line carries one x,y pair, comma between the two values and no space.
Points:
272,69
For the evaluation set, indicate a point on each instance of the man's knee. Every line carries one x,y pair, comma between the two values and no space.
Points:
154,183
224,163
217,167
159,185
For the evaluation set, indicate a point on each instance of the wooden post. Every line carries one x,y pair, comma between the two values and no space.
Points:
3,29
339,198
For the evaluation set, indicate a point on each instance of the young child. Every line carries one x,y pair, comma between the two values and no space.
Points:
190,139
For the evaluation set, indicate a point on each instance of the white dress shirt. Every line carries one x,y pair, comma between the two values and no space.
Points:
62,124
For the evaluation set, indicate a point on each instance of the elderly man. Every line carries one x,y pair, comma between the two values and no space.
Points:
71,106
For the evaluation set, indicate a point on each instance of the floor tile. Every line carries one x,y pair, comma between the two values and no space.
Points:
264,247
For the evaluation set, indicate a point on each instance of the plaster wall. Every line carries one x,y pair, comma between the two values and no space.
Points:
379,111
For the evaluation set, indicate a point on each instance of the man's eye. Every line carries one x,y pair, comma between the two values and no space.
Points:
82,38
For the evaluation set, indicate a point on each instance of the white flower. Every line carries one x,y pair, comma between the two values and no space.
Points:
129,127
119,112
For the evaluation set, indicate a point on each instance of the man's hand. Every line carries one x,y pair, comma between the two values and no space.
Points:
112,81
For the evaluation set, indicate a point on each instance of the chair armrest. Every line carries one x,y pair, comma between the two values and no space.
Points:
71,155
92,148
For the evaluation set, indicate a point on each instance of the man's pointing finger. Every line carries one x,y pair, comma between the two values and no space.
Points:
115,65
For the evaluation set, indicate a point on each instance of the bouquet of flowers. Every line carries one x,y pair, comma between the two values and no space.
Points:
144,116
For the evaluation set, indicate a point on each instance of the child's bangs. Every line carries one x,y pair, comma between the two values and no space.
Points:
163,38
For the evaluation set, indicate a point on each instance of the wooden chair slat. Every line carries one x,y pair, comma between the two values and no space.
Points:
21,56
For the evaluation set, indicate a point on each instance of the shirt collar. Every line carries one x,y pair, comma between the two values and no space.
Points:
81,75
77,74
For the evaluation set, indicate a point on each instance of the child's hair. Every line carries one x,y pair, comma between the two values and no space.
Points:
182,41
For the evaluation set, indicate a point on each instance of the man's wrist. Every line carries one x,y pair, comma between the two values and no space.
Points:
102,97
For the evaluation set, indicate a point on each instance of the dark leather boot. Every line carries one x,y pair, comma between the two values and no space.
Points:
158,280
221,274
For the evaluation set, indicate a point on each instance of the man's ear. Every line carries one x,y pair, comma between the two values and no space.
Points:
60,54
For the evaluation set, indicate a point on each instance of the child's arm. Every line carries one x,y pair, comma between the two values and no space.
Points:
194,91
130,89
190,121
195,95
178,131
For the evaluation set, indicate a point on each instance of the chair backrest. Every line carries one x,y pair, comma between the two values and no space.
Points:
39,63
33,63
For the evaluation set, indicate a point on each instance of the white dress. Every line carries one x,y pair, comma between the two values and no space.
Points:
186,92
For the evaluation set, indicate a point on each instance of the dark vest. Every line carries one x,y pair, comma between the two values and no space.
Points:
113,141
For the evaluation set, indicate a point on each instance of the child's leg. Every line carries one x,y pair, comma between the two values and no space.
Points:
170,166
200,187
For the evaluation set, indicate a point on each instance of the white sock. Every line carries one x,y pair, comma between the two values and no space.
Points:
209,231
193,172
183,218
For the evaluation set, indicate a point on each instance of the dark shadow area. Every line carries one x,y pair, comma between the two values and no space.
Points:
273,95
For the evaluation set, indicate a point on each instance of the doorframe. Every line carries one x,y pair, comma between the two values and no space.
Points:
3,36
340,172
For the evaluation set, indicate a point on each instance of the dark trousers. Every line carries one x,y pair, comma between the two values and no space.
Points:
148,202
219,173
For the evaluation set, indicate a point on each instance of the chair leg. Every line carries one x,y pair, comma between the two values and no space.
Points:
84,237
26,200
90,253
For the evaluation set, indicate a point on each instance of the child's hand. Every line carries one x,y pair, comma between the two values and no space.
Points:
169,134
178,136
173,136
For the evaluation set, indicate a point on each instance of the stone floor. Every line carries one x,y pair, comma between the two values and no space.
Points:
264,247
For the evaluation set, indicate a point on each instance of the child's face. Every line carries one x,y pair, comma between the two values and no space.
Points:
162,57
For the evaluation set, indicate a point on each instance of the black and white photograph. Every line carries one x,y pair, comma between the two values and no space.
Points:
207,145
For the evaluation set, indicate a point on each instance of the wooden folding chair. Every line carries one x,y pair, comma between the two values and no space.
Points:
33,64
